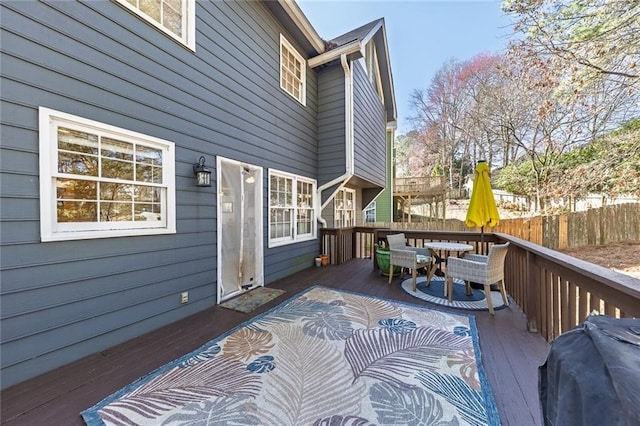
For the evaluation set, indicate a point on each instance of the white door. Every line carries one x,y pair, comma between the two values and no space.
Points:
240,251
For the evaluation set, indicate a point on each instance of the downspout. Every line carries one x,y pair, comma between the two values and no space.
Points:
348,124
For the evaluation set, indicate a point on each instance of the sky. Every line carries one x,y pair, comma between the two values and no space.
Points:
421,35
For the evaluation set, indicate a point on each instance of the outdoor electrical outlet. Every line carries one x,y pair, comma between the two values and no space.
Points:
184,297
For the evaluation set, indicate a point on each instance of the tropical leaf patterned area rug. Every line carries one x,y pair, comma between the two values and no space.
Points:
323,357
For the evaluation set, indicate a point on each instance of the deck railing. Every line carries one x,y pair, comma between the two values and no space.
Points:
343,244
420,185
555,291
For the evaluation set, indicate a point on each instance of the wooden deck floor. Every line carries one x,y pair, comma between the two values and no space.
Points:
511,355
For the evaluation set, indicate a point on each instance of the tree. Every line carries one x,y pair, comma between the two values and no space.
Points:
507,109
502,107
586,53
517,178
591,40
414,157
453,116
545,126
438,112
610,165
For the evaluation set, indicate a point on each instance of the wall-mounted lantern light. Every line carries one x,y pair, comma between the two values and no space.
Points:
203,175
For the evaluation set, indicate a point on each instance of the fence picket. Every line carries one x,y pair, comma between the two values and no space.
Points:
615,223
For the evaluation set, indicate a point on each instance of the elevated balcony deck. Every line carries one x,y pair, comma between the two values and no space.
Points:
428,193
423,185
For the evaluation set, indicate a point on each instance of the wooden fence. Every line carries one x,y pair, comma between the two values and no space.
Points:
600,226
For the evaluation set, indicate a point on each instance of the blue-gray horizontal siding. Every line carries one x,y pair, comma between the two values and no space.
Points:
64,300
331,124
290,257
329,213
369,130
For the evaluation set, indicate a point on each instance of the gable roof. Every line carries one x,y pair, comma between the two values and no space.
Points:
353,44
359,34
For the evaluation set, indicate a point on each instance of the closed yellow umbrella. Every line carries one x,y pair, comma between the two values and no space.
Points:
482,206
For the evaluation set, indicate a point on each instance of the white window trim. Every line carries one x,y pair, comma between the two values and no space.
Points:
188,38
370,207
335,208
49,229
303,66
277,242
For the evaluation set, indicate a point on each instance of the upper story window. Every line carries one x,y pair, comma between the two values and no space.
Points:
175,17
345,208
293,71
292,216
101,181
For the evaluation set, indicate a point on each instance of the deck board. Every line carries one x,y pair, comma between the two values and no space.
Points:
511,355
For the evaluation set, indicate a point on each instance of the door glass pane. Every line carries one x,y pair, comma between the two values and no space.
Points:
249,227
230,197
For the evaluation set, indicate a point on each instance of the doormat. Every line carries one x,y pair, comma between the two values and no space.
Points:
252,299
323,357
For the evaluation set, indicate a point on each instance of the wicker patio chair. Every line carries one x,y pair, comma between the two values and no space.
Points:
404,256
485,270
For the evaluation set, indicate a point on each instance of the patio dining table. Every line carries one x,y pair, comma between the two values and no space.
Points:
445,247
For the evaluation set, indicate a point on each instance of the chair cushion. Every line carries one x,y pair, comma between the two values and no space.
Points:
421,258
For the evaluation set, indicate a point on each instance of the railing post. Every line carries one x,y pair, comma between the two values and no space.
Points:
531,308
339,244
354,243
373,254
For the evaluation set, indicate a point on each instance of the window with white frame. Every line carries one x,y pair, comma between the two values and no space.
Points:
99,181
292,71
175,17
345,208
291,208
370,213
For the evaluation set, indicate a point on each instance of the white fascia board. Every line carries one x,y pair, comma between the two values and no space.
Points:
297,16
334,54
371,33
389,75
